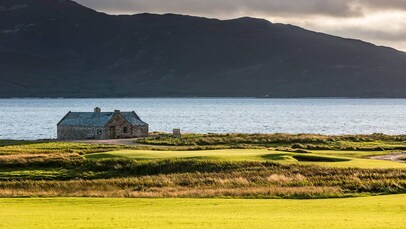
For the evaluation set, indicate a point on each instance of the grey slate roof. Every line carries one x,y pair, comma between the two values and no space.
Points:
97,119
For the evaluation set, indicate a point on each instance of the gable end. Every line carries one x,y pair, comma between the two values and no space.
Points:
64,117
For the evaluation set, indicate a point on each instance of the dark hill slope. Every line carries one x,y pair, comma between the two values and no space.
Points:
58,48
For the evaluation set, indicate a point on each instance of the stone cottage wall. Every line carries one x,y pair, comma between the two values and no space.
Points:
140,131
120,124
79,132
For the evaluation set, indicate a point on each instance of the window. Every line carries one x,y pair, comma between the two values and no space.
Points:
99,131
125,129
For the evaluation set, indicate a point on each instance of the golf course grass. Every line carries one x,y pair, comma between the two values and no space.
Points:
206,166
330,158
363,212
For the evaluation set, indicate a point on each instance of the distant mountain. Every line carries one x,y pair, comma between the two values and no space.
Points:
58,48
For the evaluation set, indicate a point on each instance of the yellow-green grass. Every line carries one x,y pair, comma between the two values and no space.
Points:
363,212
7,148
375,142
228,154
348,153
322,158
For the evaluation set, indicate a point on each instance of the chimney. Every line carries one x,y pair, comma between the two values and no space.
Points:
116,111
97,109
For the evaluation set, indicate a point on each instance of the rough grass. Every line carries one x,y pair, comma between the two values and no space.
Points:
194,178
284,171
7,148
353,213
375,142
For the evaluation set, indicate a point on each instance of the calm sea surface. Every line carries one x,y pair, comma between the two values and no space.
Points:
37,118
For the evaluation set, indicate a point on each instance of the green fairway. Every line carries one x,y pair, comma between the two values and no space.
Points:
323,158
365,212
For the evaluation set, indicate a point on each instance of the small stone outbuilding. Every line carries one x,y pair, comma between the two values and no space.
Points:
101,125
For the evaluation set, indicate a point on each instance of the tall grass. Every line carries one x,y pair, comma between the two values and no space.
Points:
196,178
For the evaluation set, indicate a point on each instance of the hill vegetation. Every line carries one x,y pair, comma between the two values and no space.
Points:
54,48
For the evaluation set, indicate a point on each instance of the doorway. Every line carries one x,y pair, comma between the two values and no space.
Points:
112,132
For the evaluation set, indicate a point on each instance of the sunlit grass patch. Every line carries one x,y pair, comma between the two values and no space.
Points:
360,213
322,158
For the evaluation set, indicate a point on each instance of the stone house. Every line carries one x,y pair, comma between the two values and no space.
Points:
101,125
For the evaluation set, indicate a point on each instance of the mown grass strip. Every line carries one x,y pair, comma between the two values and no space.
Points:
361,213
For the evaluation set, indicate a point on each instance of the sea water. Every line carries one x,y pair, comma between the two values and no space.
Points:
37,118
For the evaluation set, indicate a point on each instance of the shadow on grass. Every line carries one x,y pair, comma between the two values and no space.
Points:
103,156
313,158
276,157
100,156
18,142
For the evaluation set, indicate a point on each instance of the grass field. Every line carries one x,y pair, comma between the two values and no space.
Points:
205,166
365,212
237,181
374,142
331,158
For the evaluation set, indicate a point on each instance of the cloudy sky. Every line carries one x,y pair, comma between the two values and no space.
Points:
382,22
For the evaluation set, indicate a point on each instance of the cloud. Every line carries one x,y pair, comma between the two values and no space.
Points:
373,33
384,4
338,8
333,8
386,28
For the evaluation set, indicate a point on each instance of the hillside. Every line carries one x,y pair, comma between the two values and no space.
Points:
58,48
